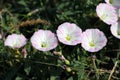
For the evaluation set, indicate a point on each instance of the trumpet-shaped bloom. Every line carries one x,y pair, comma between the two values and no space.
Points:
44,40
115,3
15,41
0,36
93,40
107,13
69,33
115,29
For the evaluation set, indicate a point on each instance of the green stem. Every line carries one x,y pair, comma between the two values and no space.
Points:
95,67
47,64
113,70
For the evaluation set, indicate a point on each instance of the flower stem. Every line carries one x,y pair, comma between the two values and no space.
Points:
47,64
113,70
95,67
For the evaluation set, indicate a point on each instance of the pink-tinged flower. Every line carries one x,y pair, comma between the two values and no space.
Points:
0,36
93,40
24,52
107,13
115,3
115,29
44,40
69,33
15,41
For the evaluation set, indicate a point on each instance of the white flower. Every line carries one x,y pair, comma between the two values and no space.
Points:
69,33
44,40
15,41
107,13
115,29
0,36
93,40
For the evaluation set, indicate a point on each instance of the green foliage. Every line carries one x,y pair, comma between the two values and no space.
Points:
45,65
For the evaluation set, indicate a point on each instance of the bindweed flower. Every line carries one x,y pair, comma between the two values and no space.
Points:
69,33
107,13
44,40
93,40
115,3
0,36
15,41
24,52
115,29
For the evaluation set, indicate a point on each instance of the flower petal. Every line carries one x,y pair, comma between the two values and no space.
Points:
69,33
15,41
107,13
44,40
93,40
115,29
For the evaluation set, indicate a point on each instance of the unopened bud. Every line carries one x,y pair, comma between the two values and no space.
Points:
67,62
68,69
24,52
73,72
0,36
62,58
93,57
29,14
17,52
57,53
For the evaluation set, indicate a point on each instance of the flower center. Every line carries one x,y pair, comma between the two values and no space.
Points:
68,38
92,44
15,44
43,45
104,16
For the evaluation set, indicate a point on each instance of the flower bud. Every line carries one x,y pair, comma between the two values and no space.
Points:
57,53
67,62
24,52
0,36
62,58
68,69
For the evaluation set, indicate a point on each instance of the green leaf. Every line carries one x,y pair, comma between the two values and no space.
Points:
18,78
70,78
22,3
54,78
27,70
12,73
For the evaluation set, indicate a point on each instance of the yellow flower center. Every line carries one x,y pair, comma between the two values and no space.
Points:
68,38
92,44
43,45
104,16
